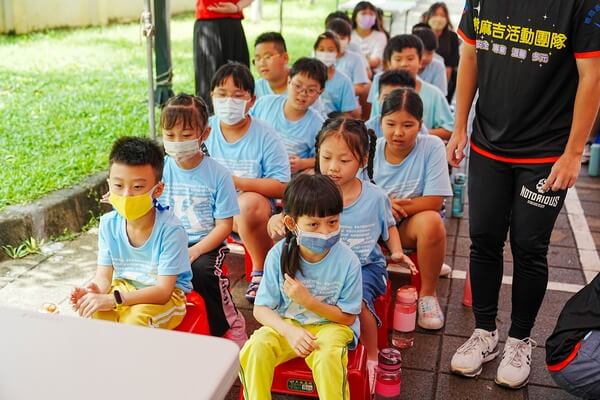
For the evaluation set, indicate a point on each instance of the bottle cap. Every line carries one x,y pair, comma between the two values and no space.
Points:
460,178
407,294
389,359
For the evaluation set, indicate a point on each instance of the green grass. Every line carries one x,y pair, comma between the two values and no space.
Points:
66,94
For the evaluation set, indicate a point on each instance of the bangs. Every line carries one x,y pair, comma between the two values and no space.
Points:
183,116
312,196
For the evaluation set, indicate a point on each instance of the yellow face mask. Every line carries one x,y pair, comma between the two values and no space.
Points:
133,207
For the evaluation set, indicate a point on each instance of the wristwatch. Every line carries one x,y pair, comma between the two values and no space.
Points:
118,298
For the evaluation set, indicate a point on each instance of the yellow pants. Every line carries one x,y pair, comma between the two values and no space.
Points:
166,316
266,349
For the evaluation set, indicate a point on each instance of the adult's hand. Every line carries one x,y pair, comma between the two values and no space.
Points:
225,7
455,149
564,173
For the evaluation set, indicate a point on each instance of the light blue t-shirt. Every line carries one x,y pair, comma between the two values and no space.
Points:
258,154
424,172
375,124
353,66
199,196
436,111
365,221
435,74
338,95
335,280
297,136
262,88
164,253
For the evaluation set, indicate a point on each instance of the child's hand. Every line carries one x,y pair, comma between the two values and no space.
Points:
193,254
296,291
302,341
92,302
398,207
105,197
405,261
295,163
276,227
78,292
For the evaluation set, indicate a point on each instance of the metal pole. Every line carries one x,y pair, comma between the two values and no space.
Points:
280,15
148,30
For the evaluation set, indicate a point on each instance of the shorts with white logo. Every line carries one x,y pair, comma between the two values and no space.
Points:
505,196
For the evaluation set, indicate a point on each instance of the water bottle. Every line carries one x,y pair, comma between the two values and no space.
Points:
458,191
388,378
405,317
594,163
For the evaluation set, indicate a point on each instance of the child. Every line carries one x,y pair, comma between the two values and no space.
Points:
404,52
255,156
432,69
412,170
271,62
367,34
200,192
352,46
291,115
389,81
348,62
343,147
338,96
310,298
143,268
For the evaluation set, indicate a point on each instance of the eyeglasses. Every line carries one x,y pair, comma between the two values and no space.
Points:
266,59
309,91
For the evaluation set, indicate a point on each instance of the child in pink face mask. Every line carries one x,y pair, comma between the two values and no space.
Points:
367,33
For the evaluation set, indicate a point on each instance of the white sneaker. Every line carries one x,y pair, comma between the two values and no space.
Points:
371,370
480,348
513,371
445,270
430,315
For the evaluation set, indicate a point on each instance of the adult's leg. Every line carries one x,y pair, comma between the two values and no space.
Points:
207,56
533,216
234,44
491,195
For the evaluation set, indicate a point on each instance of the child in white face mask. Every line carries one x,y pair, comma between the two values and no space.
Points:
338,96
201,193
254,155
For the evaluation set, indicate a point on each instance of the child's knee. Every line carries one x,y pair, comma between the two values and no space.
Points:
254,207
432,227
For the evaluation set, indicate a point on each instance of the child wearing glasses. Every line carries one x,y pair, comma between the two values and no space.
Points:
271,62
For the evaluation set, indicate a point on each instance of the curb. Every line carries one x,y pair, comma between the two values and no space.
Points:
64,209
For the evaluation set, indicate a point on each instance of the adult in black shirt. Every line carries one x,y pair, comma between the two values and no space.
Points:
439,20
536,65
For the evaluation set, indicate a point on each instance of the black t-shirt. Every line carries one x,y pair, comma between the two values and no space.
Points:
448,48
527,76
580,315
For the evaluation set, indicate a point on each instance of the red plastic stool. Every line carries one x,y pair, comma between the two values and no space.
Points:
382,309
295,378
247,258
195,320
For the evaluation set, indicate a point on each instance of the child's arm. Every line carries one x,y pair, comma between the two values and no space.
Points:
100,284
409,207
296,291
302,341
299,164
222,229
394,244
268,187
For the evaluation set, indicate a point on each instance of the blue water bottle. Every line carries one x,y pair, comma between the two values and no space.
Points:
458,190
594,163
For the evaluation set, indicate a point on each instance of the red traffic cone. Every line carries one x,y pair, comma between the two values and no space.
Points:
467,296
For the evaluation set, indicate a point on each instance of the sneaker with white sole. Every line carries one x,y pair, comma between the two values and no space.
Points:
445,270
372,370
513,371
430,315
480,348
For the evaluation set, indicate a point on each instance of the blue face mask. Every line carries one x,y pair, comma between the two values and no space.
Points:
317,242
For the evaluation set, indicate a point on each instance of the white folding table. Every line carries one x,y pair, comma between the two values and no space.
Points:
47,356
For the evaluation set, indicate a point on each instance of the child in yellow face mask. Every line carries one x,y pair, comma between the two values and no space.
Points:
143,266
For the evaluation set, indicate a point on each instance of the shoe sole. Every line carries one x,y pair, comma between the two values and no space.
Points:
474,373
509,386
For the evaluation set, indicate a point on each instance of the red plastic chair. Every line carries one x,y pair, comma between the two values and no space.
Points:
383,309
295,378
195,320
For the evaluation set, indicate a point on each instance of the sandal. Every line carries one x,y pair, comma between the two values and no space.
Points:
253,286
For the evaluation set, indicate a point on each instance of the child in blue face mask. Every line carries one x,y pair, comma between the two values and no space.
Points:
310,296
143,268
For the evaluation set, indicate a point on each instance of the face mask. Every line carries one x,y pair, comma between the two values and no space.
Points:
133,207
229,110
344,45
326,57
317,242
437,23
365,21
182,150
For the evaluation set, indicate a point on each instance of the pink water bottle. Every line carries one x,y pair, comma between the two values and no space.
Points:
389,375
405,317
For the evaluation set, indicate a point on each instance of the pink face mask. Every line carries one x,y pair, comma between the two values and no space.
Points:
365,21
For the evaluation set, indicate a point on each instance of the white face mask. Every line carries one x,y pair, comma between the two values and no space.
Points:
230,110
344,45
326,57
182,150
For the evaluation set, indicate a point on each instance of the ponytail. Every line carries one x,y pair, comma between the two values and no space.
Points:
290,256
372,147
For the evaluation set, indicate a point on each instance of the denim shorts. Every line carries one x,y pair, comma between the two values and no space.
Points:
374,280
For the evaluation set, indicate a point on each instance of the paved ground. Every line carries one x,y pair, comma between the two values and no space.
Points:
32,281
